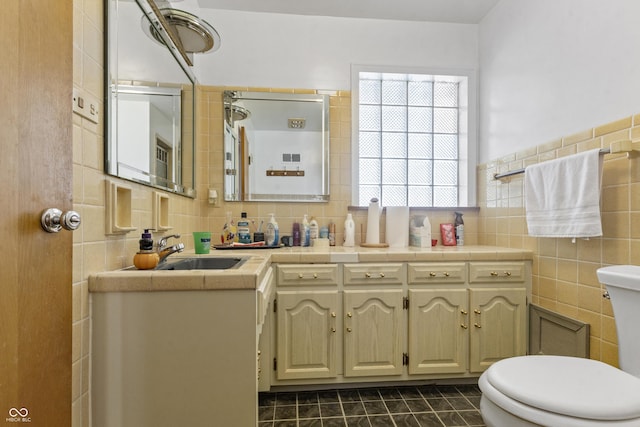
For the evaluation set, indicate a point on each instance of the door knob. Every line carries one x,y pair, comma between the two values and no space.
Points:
52,220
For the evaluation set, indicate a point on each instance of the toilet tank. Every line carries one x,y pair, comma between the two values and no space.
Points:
623,285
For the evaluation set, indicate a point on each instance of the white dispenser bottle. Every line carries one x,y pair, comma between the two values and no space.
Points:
314,230
272,237
349,232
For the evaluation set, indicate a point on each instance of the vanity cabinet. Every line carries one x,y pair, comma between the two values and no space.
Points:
307,331
498,303
374,322
367,321
308,305
455,326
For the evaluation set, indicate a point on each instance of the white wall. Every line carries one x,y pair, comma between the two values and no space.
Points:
551,68
288,51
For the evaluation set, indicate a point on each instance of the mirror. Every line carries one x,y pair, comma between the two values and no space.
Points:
149,128
276,147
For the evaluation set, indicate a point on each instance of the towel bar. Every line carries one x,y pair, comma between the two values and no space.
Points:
625,146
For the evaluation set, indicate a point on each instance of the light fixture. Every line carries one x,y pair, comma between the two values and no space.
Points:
195,34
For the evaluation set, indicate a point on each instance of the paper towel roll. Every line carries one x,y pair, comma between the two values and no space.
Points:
397,226
373,222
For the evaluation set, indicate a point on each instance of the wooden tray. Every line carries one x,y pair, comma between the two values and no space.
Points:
374,245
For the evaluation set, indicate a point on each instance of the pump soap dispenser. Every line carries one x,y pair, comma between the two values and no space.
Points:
146,258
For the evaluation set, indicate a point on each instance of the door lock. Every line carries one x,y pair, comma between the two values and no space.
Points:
53,220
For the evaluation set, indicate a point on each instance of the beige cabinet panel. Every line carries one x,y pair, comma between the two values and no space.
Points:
498,325
437,273
438,331
497,272
373,332
307,274
374,274
306,337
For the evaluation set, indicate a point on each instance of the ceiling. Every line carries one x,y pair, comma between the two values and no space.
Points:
453,11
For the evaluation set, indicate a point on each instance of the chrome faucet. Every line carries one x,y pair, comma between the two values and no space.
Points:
164,251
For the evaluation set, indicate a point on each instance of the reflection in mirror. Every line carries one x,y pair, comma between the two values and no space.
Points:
276,147
150,103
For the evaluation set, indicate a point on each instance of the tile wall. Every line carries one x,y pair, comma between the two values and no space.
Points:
564,278
210,122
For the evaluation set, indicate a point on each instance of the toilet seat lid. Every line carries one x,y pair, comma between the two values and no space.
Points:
571,386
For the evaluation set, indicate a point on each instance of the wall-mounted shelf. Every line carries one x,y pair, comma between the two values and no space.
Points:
118,208
160,212
275,172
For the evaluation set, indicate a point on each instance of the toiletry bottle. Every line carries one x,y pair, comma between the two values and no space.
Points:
272,237
427,232
258,235
314,230
306,231
228,231
332,234
349,231
146,258
296,234
244,230
459,225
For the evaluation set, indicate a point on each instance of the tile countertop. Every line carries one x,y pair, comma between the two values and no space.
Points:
249,274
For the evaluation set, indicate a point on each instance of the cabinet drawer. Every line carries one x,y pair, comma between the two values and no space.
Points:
423,273
496,272
307,274
367,274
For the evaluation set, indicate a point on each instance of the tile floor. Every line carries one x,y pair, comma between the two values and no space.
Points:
415,406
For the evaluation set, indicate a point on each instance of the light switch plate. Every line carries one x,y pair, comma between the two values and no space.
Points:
85,105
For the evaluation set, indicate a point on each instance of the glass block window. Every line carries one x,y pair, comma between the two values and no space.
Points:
408,133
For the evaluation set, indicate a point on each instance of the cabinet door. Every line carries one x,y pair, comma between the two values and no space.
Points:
438,331
498,331
306,337
373,332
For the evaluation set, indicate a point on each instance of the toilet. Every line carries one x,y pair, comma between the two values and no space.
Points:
561,391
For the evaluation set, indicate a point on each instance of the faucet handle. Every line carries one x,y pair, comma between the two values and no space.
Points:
162,242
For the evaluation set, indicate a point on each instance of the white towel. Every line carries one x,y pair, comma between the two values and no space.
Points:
562,196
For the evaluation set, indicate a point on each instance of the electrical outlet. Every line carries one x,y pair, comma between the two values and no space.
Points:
85,105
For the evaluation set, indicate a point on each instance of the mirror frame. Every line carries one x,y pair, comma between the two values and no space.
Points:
112,82
235,162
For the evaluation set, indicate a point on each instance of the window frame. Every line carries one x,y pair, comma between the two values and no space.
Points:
467,132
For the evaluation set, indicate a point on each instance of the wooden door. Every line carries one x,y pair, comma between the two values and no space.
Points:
373,332
498,325
36,41
306,340
438,331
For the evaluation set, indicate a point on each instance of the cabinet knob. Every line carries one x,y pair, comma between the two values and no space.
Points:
446,274
507,273
463,326
333,329
382,275
315,275
477,326
463,311
476,311
300,275
432,274
349,314
333,314
494,273
348,329
367,275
